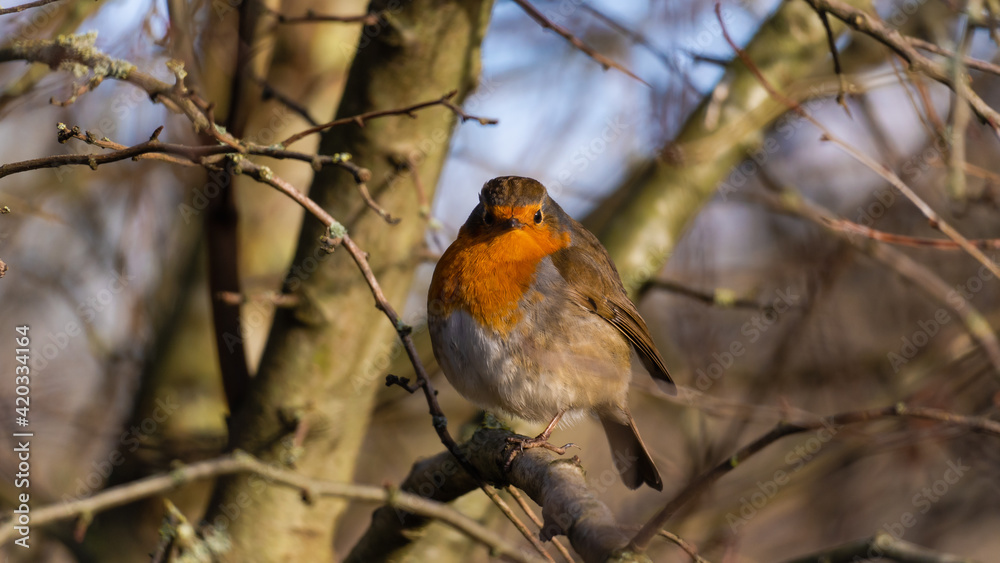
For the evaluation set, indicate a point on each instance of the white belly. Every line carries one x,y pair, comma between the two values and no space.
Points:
523,375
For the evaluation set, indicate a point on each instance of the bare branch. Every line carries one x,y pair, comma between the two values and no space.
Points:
444,100
272,92
852,228
264,175
521,527
957,186
723,298
119,152
935,219
878,546
832,42
569,506
782,429
875,28
970,62
374,206
519,499
687,547
574,40
338,236
23,7
200,155
241,462
79,50
977,324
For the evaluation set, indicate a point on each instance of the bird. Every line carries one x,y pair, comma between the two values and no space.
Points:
528,318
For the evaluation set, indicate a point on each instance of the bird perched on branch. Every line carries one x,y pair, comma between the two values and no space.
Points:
529,318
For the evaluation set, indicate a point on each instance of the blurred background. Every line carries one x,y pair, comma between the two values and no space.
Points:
761,313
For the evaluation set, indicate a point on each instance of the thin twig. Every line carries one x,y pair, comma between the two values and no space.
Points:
832,42
933,217
80,90
23,7
929,109
519,499
957,186
521,527
691,550
724,298
197,155
574,40
901,264
191,153
970,62
878,546
852,228
977,325
264,175
875,28
269,92
244,463
373,205
928,115
652,528
360,119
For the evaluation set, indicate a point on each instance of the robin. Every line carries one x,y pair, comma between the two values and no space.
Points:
528,318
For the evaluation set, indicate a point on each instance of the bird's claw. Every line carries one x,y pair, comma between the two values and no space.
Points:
522,443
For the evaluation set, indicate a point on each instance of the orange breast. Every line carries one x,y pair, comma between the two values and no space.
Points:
487,276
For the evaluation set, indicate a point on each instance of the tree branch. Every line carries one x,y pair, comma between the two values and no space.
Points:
23,7
199,155
119,152
241,462
268,92
874,27
360,119
574,40
645,535
970,62
977,325
878,546
691,550
519,499
719,297
558,485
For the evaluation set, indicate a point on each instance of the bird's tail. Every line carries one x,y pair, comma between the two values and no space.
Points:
628,452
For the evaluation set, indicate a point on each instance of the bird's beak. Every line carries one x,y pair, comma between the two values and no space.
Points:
513,223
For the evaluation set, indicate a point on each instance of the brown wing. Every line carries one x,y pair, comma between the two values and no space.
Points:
595,285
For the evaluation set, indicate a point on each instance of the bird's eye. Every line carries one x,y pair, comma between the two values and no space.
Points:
538,217
488,218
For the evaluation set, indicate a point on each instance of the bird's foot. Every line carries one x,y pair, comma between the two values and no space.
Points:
521,443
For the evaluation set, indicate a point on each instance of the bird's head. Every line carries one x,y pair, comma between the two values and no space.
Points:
510,203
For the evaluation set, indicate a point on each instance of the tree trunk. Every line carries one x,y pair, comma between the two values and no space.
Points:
642,225
319,371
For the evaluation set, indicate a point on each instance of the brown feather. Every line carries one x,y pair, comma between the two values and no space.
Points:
595,285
